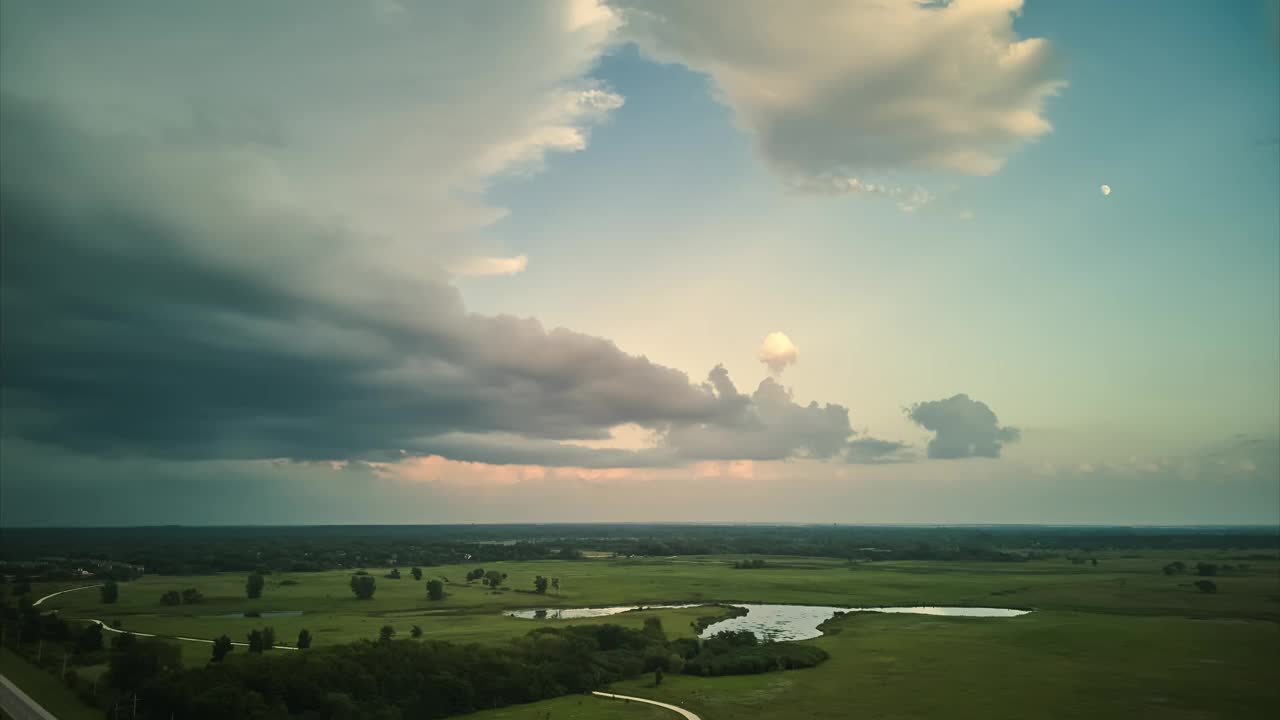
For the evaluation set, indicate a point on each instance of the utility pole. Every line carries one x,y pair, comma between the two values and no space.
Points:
135,706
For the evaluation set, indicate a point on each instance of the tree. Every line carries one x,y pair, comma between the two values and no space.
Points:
253,586
435,590
1207,586
474,575
171,598
394,574
191,596
221,647
1094,561
386,633
135,662
109,592
653,628
540,585
493,578
90,638
268,638
555,583
304,639
416,573
255,641
657,676
1205,569
415,632
363,586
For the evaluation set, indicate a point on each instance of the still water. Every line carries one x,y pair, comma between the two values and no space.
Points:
771,622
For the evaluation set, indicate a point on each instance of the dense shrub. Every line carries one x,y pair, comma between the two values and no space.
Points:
753,659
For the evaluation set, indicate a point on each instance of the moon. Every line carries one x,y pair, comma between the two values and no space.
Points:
1106,190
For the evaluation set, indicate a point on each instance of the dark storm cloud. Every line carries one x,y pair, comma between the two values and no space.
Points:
962,428
150,307
766,425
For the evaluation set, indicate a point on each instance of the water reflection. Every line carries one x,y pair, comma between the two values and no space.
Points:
575,613
770,622
800,622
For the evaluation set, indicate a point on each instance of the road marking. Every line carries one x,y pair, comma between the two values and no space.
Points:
675,708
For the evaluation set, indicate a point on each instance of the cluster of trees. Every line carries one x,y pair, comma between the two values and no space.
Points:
491,578
740,653
1204,569
121,553
391,678
190,596
749,564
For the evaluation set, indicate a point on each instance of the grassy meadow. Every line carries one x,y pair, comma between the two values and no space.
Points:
1119,639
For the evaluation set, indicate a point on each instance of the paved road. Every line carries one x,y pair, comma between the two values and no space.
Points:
19,705
683,713
108,628
46,597
35,712
139,634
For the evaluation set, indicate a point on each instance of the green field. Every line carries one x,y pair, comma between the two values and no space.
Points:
1117,640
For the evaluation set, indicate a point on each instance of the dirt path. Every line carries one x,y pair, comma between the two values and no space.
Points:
683,713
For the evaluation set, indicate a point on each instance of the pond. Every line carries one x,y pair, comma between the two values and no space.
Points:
770,622
592,612
800,622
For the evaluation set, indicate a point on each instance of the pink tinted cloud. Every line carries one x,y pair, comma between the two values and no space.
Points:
436,469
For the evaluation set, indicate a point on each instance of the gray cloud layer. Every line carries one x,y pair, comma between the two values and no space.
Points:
962,428
167,316
232,250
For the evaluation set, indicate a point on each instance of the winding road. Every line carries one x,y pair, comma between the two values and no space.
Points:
674,708
142,634
32,707
46,597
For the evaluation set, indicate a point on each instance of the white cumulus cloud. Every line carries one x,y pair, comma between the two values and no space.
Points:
858,87
777,351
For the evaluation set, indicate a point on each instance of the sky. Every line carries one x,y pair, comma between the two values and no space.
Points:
873,261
